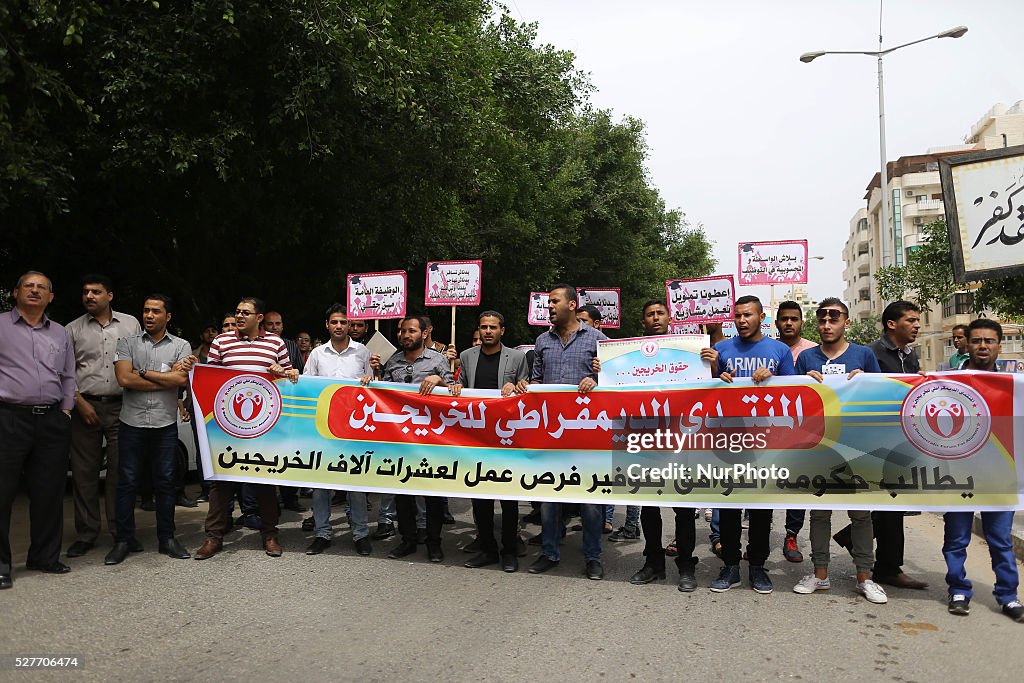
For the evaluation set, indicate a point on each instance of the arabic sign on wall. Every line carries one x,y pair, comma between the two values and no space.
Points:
701,300
789,442
453,283
537,314
983,194
376,296
773,263
606,300
657,359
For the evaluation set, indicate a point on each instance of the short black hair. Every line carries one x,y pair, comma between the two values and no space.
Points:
896,310
959,327
417,318
156,296
568,290
98,279
985,324
750,299
653,302
258,305
789,305
492,314
335,308
592,311
834,301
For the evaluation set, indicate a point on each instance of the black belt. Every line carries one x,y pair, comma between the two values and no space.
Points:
35,410
102,399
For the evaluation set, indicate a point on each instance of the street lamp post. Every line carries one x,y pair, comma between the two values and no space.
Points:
887,237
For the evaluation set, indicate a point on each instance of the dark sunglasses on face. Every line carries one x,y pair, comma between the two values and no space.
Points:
828,314
408,374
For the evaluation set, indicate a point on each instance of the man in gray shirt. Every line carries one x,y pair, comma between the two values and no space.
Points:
94,336
151,367
416,364
37,391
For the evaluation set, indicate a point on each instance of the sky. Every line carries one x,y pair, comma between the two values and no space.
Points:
753,144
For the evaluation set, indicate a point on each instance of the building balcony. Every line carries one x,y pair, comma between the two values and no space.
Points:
928,207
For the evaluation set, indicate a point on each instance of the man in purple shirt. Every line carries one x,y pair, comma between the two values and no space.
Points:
37,392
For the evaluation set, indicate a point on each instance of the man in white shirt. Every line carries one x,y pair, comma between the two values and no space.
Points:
340,358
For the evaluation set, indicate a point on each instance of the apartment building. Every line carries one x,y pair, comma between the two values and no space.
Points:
916,200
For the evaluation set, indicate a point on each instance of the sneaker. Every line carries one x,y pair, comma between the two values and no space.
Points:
707,515
759,580
728,578
608,528
810,584
790,551
959,605
624,533
873,592
1014,610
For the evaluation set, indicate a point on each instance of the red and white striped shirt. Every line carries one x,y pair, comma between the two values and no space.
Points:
266,349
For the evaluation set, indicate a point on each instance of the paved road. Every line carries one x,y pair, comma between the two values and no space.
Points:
244,616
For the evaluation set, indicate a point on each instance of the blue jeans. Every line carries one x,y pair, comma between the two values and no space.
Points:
356,509
794,521
552,526
715,536
138,447
996,526
632,516
386,511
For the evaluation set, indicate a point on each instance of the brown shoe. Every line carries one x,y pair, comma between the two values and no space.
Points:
211,546
272,547
900,580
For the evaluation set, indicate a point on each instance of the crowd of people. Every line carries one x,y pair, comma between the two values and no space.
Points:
109,389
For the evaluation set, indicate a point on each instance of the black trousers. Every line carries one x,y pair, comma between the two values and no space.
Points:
483,517
686,537
406,506
38,446
888,525
729,522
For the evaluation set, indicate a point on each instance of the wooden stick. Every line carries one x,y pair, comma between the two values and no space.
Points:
452,338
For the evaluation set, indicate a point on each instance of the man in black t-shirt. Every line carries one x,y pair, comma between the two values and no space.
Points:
492,365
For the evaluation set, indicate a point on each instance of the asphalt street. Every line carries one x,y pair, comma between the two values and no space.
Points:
245,616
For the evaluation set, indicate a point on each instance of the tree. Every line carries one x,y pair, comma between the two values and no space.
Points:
928,277
864,331
211,150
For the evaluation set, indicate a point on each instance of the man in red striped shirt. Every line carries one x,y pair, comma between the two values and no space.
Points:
248,347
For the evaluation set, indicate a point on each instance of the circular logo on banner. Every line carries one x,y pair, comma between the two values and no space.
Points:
945,419
247,406
649,348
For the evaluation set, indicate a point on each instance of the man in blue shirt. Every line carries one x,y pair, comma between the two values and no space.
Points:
984,339
565,355
836,356
749,354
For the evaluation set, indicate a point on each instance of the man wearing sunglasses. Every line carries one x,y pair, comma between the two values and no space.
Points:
248,347
413,363
836,356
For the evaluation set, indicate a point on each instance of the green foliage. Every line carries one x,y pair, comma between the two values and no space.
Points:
213,149
928,276
864,331
810,328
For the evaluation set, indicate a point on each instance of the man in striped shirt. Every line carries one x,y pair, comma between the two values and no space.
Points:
248,347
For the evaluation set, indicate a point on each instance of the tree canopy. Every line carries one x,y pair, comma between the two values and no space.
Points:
214,149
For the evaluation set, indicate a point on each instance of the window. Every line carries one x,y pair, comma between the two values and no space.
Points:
961,303
921,198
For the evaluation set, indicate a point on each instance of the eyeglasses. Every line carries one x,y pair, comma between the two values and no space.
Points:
408,374
243,313
828,314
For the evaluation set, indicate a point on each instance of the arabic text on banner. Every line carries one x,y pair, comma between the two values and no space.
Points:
773,263
701,300
376,296
453,283
944,441
662,359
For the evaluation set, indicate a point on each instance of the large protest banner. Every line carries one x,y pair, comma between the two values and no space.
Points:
945,441
773,263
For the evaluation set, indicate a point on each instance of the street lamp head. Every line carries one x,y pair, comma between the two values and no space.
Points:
953,32
809,57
